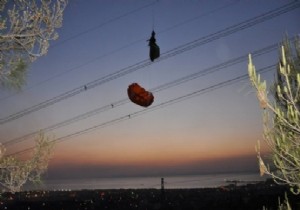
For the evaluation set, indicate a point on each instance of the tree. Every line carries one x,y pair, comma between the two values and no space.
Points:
281,117
26,27
14,173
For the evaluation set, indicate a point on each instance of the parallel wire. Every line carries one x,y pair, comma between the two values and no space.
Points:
153,108
173,83
103,24
115,50
178,50
234,28
197,17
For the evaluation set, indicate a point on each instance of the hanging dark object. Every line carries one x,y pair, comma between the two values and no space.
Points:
139,95
154,48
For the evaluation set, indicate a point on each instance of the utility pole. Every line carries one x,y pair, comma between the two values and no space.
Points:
162,191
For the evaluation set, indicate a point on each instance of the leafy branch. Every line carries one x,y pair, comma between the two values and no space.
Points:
25,31
281,117
14,173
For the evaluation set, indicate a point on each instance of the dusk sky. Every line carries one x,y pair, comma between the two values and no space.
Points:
212,131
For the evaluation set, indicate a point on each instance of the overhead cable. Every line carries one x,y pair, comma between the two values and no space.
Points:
175,51
77,67
173,83
103,24
153,108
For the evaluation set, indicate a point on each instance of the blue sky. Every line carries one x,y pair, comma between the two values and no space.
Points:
99,38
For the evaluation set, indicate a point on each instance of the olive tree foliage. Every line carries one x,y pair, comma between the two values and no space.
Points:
281,116
14,173
26,27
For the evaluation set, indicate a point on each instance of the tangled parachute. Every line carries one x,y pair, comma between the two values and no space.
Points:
139,95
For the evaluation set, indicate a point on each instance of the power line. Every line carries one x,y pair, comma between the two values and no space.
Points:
175,51
173,83
198,16
103,24
118,49
153,108
234,28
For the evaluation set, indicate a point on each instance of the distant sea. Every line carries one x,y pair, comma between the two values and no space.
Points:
170,182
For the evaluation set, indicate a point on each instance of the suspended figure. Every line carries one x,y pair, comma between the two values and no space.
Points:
154,48
139,95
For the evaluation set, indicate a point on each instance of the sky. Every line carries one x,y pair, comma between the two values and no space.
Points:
214,130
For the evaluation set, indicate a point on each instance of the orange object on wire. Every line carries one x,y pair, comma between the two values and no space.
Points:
139,95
